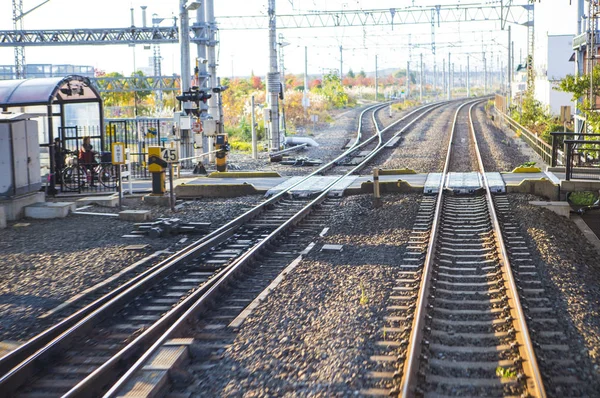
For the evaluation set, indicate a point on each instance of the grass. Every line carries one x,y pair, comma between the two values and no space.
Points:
528,164
241,146
364,300
505,372
582,198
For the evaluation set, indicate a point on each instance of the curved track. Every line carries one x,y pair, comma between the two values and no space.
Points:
86,353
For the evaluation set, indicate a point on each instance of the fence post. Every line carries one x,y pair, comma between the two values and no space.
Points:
554,150
377,202
567,148
129,175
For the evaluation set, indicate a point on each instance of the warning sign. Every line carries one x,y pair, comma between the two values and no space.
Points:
197,127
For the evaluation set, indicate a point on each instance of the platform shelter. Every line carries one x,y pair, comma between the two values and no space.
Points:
66,107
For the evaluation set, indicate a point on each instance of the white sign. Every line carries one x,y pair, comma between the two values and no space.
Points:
169,155
118,153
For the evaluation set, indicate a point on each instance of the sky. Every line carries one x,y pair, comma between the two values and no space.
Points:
241,53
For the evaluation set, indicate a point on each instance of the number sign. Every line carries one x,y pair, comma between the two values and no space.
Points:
169,155
118,153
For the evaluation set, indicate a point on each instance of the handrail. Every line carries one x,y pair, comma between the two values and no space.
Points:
540,146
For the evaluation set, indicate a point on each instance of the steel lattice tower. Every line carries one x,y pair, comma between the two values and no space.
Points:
19,50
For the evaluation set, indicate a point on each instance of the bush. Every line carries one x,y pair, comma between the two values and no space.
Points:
241,146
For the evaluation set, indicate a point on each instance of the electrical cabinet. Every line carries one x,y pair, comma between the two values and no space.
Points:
19,155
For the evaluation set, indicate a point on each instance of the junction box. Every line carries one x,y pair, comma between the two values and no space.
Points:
19,155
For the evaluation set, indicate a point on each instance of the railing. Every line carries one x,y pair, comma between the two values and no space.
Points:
540,146
582,159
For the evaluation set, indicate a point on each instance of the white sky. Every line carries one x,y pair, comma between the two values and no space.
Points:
243,52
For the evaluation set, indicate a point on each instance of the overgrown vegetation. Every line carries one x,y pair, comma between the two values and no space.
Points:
536,117
585,198
579,87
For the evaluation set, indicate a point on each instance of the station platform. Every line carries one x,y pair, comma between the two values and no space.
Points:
545,184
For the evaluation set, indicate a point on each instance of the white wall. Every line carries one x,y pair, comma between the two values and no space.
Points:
560,49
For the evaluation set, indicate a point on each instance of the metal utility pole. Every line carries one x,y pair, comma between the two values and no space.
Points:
200,29
213,103
407,79
18,14
592,50
376,82
434,77
443,75
254,144
201,38
341,65
485,82
273,79
19,51
449,96
509,71
305,102
282,43
184,40
468,78
421,79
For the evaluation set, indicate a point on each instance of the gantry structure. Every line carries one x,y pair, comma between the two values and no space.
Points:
505,12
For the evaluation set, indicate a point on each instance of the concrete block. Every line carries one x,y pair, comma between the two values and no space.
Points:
48,210
2,217
560,208
134,215
158,200
14,208
579,185
541,187
214,190
104,201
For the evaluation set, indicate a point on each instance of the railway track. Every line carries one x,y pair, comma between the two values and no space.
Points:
455,321
88,351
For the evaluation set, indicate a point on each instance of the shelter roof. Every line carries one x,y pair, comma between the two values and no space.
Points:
47,91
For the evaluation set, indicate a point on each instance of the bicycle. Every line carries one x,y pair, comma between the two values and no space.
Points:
75,175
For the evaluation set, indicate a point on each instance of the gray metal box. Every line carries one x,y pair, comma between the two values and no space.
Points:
19,155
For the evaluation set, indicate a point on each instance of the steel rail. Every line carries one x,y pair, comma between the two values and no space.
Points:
20,364
530,366
409,378
13,358
233,270
411,364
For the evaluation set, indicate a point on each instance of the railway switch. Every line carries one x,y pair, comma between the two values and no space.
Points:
157,167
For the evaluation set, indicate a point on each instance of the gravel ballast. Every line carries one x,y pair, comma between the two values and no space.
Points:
312,336
45,262
569,268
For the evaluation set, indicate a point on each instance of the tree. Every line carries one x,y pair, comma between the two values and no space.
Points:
351,74
122,98
400,73
579,87
362,74
333,90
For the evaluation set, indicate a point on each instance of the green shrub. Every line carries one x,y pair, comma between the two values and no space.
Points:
240,146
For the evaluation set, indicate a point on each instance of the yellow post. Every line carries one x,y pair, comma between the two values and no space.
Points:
157,166
222,148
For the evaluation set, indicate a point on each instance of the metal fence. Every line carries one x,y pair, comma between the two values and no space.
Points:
138,135
582,158
540,146
74,175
